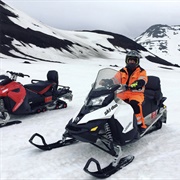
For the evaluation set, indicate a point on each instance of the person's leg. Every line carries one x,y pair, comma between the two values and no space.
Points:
136,103
124,95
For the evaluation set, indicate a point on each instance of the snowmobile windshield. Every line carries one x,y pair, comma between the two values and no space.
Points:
103,89
106,79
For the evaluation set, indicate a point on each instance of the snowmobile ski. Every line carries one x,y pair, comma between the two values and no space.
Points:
5,119
108,170
54,145
9,123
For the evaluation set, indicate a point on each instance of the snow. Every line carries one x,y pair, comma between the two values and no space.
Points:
157,155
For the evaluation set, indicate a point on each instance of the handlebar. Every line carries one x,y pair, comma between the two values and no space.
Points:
17,74
123,87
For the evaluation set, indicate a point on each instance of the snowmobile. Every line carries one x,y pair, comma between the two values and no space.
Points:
109,123
39,96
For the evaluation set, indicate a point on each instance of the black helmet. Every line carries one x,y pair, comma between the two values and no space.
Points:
133,55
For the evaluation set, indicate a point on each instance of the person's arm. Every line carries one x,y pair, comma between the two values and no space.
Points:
141,82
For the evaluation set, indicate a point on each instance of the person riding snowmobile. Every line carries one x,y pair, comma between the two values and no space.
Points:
134,77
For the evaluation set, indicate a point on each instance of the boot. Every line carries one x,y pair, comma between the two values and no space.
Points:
142,128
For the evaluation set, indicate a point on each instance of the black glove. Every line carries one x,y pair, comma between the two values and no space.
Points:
134,85
137,85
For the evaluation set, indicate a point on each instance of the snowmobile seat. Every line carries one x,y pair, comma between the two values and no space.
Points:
152,95
52,77
153,89
4,80
42,87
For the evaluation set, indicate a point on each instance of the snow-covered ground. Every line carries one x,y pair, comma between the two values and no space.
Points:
157,155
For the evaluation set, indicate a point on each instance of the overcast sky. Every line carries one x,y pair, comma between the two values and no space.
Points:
128,17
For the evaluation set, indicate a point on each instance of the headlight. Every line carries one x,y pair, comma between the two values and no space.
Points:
96,101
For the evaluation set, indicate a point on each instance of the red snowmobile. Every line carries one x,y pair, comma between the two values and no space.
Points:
39,96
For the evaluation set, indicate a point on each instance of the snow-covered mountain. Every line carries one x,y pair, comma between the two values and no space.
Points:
163,40
26,38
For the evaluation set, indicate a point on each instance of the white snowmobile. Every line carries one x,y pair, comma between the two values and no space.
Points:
109,123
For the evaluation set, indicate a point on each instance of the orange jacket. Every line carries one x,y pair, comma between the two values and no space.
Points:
122,77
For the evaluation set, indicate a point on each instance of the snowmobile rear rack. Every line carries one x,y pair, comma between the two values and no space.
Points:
151,127
47,147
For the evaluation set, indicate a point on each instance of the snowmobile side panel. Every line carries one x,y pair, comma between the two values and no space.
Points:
117,132
104,112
